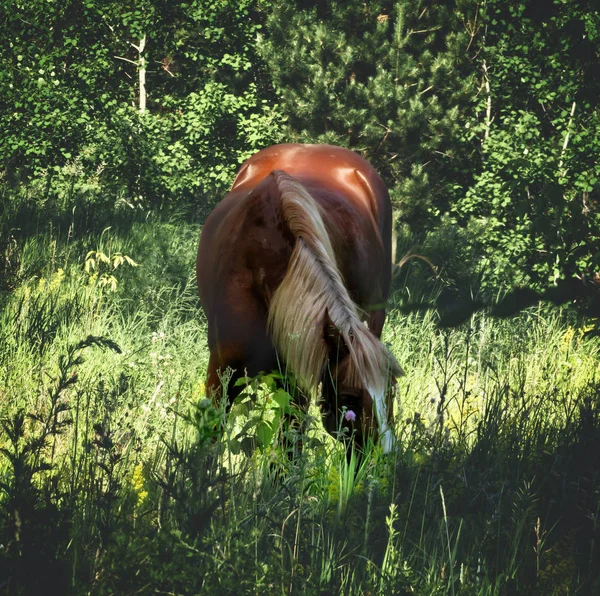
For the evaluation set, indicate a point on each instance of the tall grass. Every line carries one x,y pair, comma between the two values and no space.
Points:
117,475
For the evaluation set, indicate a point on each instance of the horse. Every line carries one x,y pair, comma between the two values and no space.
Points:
294,273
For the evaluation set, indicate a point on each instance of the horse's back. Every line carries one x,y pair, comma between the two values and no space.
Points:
350,191
327,167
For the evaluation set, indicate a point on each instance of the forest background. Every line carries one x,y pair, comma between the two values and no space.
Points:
123,123
481,117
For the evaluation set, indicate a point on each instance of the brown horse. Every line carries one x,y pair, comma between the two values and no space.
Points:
294,269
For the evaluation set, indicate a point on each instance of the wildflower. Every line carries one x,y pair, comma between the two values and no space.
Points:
57,279
138,484
567,339
350,416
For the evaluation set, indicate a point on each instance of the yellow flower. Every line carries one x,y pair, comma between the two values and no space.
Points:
567,338
57,279
138,484
586,329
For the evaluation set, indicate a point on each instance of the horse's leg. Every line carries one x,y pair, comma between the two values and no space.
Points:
230,365
376,321
238,340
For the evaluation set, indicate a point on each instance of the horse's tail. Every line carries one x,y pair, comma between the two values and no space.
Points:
312,289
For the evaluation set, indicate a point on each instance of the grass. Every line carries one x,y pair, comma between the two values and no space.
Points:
118,476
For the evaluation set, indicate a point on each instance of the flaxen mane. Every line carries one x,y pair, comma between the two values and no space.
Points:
312,287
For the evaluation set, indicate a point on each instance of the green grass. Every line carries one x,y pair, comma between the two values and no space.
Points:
118,476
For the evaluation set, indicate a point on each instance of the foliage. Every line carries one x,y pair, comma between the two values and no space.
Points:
389,79
72,96
100,267
534,200
482,117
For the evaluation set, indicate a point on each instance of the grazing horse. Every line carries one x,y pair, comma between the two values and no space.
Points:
294,272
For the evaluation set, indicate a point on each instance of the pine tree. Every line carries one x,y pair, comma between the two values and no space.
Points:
391,80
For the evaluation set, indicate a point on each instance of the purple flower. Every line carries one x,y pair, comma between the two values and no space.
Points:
350,416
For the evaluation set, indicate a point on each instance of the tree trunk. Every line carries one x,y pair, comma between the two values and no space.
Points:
142,74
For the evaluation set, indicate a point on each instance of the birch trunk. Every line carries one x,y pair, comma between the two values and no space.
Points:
142,74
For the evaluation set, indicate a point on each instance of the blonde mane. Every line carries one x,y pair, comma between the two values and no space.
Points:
312,287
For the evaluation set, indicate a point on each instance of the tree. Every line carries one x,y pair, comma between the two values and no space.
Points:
392,80
481,116
158,100
534,205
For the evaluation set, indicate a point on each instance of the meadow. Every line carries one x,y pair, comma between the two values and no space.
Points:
119,476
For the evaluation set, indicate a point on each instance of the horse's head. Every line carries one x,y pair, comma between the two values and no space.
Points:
355,401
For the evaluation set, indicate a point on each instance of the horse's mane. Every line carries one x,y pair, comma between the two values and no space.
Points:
312,289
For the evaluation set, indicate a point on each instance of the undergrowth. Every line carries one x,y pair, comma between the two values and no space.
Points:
117,475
